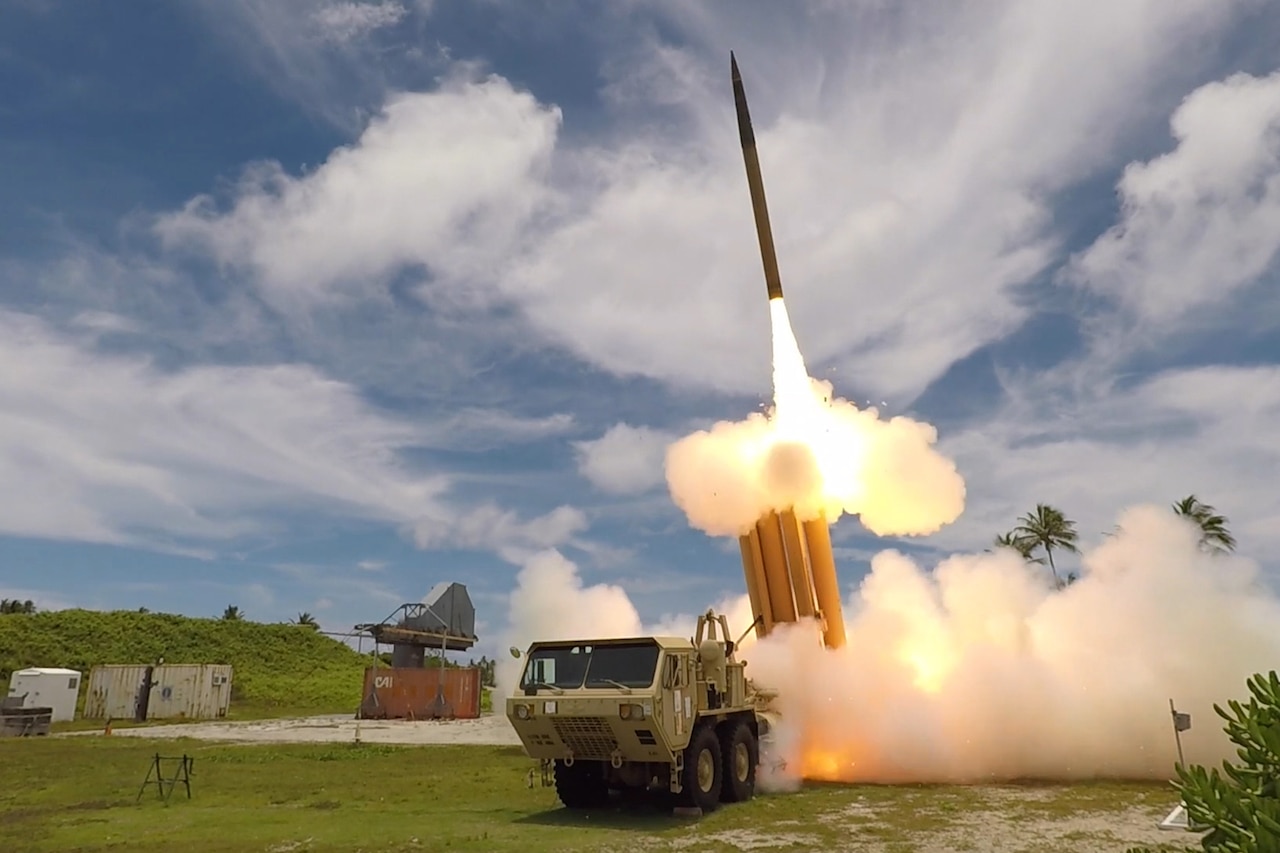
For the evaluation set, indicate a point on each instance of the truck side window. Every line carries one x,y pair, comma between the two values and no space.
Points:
673,672
544,670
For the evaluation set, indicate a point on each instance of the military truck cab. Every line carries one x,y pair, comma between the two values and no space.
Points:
642,713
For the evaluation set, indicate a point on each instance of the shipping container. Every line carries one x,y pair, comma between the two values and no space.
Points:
421,694
113,691
191,691
47,687
168,691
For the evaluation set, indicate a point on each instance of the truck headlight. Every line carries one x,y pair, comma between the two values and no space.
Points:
523,711
631,712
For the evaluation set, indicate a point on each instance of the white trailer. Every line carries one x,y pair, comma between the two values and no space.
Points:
47,687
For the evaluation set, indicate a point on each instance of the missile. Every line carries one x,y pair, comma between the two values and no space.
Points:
773,281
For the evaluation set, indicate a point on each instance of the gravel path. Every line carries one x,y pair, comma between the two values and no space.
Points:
487,730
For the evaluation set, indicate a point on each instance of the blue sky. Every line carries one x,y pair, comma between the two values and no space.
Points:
308,305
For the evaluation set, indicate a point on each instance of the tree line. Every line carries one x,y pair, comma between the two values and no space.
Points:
13,605
1047,528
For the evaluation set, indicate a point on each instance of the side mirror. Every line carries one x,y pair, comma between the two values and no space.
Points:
515,652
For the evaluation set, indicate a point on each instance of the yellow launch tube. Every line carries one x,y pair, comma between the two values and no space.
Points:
774,555
826,585
757,585
798,564
790,572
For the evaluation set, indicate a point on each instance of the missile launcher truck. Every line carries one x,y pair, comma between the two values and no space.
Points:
669,715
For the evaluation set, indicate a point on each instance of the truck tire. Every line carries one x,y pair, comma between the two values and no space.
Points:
581,785
741,757
703,771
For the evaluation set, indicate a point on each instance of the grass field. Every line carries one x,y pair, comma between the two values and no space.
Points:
77,794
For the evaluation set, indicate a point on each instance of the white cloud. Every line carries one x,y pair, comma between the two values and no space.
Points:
371,565
318,53
1201,222
113,449
907,200
474,429
445,180
502,530
105,322
626,459
343,22
346,598
1208,431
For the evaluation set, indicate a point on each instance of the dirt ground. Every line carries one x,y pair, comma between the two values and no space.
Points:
487,730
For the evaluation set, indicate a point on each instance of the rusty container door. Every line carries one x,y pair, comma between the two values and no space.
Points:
113,691
174,690
421,694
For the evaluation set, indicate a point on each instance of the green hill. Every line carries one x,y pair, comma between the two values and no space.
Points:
278,669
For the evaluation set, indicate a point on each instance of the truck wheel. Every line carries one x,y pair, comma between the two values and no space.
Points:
703,770
581,785
741,756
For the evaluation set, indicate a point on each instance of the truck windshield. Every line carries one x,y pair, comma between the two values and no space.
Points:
582,665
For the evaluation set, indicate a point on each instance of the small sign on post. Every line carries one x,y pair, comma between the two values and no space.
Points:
1181,723
1179,818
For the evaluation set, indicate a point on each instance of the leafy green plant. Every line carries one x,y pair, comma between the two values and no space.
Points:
1239,807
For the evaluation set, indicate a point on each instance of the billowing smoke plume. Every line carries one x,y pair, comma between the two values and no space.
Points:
981,670
818,454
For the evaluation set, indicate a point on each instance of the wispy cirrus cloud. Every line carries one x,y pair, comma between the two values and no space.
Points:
110,448
344,21
327,56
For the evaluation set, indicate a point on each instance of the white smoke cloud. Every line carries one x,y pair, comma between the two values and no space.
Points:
817,454
549,602
979,670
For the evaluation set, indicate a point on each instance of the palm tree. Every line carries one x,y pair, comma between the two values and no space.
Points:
1214,535
1048,528
13,605
305,618
1021,544
232,613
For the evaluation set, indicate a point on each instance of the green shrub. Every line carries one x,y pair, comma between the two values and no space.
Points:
1239,808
